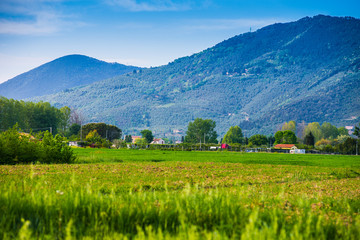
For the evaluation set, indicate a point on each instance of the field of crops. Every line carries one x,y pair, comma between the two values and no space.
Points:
139,194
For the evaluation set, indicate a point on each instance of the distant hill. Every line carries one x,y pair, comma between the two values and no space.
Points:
308,70
61,74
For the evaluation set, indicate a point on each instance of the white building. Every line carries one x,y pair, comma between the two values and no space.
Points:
158,141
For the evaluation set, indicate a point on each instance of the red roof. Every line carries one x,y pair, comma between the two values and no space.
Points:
284,146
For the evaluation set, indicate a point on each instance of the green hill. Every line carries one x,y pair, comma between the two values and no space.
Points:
308,70
61,74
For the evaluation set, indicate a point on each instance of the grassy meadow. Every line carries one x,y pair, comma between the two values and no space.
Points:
139,194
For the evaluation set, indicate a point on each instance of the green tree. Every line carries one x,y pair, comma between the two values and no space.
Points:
233,135
74,129
200,130
128,139
106,131
271,140
285,137
93,137
147,135
315,129
343,131
309,139
258,140
357,131
64,119
291,125
329,131
28,115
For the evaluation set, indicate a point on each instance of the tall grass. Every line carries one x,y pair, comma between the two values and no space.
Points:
81,212
161,198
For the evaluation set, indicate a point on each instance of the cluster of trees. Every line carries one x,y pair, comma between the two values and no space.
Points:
325,137
95,134
18,147
29,115
68,123
201,130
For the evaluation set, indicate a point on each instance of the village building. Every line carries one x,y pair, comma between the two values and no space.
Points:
288,148
158,141
284,146
135,138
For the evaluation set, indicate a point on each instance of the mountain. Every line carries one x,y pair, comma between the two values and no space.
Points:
307,70
60,74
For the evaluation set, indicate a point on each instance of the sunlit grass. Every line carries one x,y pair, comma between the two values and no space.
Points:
175,195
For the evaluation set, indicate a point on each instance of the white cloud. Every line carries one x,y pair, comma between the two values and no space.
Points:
150,6
43,24
33,17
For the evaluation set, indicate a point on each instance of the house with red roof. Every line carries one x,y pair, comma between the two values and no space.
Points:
285,146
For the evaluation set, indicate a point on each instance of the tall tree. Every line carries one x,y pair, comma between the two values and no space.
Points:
329,131
291,125
357,131
147,135
201,130
309,139
233,135
343,131
106,131
258,140
128,139
271,140
315,129
28,115
285,137
65,113
74,129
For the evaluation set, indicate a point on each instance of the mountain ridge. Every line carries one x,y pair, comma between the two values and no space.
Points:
60,74
303,70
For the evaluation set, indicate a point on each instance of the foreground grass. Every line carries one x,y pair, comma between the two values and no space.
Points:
156,195
90,155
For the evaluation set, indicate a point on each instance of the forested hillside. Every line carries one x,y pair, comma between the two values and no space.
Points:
308,70
61,74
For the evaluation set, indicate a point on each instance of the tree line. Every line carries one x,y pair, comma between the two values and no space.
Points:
39,116
69,125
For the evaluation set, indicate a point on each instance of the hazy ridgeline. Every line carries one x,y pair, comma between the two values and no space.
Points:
182,195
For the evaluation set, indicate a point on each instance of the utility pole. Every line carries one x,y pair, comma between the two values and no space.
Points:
51,130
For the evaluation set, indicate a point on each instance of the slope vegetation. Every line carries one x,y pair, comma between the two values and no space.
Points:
307,70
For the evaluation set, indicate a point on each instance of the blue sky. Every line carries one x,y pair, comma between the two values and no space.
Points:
137,32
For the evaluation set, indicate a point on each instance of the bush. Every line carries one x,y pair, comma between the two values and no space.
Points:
16,147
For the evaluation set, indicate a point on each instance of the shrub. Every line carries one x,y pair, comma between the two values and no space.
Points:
17,147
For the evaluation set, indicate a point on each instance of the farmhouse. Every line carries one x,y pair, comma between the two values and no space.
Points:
158,141
73,144
134,138
288,148
284,146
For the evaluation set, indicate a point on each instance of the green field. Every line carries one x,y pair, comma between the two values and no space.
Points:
140,194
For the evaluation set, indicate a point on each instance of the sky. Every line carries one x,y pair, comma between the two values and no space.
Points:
145,33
